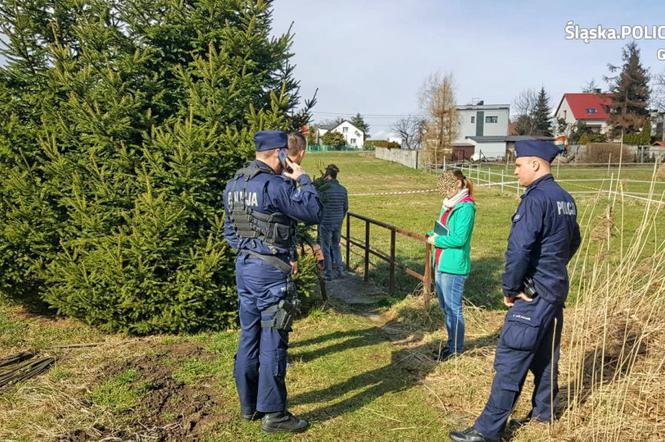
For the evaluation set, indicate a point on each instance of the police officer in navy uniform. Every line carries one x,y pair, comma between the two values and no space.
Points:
543,238
263,203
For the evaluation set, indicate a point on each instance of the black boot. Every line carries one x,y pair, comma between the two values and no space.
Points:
469,435
283,422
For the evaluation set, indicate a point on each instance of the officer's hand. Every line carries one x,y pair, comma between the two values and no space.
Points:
431,239
509,301
297,170
294,267
523,297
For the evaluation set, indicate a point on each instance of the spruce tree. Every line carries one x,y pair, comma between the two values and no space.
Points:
630,93
542,120
120,124
359,122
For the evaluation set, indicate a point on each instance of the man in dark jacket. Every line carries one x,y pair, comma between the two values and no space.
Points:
543,238
263,203
335,205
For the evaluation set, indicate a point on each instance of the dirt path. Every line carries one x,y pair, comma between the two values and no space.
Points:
351,289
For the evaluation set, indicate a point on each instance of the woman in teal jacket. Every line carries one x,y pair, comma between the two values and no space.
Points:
452,254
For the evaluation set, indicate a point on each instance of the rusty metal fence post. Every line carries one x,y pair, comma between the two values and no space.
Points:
366,275
427,277
392,262
348,242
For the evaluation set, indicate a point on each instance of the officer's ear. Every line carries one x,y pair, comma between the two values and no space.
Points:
535,164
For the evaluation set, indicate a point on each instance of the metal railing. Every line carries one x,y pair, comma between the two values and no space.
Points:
425,278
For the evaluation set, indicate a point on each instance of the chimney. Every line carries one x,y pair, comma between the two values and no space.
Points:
597,90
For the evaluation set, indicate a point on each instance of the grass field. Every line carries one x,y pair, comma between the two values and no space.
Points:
368,374
366,178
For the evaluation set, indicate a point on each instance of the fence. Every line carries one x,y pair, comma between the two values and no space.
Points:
487,176
367,250
405,157
330,148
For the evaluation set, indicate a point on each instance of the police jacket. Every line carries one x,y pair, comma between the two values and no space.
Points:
265,193
544,236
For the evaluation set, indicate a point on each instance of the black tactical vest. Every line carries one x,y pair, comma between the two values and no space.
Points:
274,229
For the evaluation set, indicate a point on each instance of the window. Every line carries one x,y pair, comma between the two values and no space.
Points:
473,118
590,110
491,119
353,141
345,130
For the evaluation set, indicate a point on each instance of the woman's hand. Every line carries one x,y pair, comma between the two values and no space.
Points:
431,239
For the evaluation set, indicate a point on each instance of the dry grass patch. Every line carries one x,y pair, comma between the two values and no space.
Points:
123,389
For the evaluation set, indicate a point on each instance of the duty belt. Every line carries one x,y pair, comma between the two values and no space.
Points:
271,260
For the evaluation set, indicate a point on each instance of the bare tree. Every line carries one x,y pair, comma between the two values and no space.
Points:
437,100
658,102
410,130
524,106
658,95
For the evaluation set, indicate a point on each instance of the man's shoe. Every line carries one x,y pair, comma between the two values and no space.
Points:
470,435
252,416
283,422
444,355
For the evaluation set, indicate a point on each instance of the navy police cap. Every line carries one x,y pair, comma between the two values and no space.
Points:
270,139
544,149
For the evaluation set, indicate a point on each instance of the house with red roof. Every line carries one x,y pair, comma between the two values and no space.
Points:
590,108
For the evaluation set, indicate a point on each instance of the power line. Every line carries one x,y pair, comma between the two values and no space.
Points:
368,115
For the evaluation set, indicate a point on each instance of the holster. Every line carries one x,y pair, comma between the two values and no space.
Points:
529,288
285,312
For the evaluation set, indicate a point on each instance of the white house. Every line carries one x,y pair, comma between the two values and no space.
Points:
589,108
485,126
482,131
482,120
354,136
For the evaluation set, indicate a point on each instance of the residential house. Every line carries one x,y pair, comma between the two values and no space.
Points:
354,136
485,128
587,107
482,131
657,151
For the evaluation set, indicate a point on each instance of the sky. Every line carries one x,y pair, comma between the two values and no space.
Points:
372,56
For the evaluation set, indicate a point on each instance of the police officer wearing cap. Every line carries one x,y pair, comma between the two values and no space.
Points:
263,203
543,238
